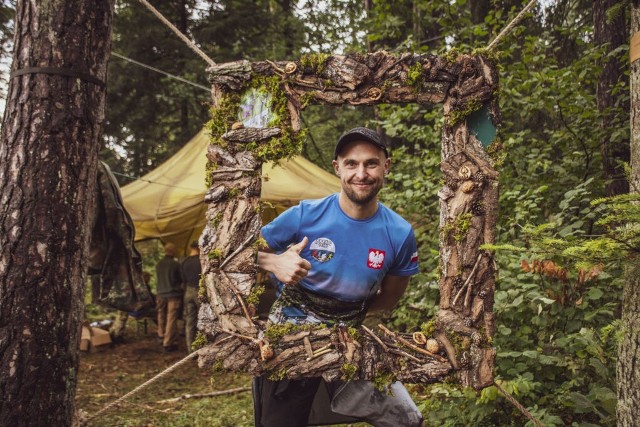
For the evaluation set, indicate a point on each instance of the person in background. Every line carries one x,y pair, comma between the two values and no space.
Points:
119,325
191,270
169,298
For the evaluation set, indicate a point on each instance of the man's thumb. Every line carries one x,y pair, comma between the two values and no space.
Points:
300,246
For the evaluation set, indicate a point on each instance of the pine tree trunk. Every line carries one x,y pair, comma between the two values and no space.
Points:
628,372
48,164
613,34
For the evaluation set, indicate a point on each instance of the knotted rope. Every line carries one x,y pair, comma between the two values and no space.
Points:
184,38
511,25
140,387
518,405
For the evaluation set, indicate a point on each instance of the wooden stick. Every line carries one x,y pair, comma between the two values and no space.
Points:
307,346
201,395
404,354
244,337
468,279
238,296
411,346
375,337
232,170
237,251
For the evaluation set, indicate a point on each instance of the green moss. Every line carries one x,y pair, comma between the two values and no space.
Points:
217,367
254,295
233,193
223,116
451,55
202,290
215,254
497,152
275,332
307,98
260,243
215,221
278,375
314,62
455,340
429,328
458,115
199,341
415,75
353,333
491,55
348,371
383,380
459,226
462,225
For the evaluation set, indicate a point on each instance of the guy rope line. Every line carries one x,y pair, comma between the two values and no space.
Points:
511,25
149,67
518,405
184,38
140,387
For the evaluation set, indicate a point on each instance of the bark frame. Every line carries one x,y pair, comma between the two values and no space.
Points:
464,326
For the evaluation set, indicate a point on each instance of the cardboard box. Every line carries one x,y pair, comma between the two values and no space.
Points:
85,339
94,339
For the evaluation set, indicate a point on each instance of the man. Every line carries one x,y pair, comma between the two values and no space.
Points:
169,298
191,270
335,259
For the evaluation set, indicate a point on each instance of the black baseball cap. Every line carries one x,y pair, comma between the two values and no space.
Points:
360,134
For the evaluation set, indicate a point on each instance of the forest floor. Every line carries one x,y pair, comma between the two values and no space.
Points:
106,375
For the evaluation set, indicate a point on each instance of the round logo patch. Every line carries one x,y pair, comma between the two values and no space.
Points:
322,249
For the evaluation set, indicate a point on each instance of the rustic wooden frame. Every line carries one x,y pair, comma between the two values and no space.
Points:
463,330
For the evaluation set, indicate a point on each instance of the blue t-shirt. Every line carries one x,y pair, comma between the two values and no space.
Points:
349,257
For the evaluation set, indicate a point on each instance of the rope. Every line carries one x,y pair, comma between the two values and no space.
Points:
133,61
134,178
511,25
182,37
517,404
141,386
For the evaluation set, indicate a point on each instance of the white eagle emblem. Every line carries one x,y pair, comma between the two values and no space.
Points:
376,259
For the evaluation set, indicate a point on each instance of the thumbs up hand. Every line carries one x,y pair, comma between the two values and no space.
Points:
289,267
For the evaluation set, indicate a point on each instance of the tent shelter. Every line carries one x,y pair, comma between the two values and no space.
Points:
168,202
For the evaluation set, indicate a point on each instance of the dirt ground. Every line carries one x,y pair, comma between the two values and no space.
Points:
116,370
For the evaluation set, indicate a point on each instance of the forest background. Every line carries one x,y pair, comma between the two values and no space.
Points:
564,140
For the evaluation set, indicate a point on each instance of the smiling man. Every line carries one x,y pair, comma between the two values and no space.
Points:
335,259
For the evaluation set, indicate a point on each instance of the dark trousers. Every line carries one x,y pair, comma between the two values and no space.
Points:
285,403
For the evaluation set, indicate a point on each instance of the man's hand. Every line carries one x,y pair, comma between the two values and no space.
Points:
288,267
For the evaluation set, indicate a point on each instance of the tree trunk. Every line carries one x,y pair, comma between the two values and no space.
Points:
48,163
627,372
613,34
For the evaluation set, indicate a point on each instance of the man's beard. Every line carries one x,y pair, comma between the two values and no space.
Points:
362,198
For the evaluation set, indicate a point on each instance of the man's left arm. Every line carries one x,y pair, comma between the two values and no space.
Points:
391,290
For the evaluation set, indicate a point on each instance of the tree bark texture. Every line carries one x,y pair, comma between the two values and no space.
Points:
463,329
612,34
627,369
48,163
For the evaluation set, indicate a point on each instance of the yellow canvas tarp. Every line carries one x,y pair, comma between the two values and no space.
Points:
167,203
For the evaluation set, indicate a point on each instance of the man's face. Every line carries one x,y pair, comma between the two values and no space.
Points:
361,167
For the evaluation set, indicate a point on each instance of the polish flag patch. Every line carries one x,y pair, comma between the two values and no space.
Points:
375,259
414,257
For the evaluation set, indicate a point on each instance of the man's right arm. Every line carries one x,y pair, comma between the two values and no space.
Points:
288,267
